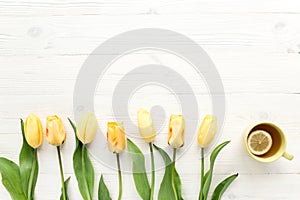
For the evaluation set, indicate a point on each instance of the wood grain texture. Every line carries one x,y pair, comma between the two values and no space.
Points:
255,46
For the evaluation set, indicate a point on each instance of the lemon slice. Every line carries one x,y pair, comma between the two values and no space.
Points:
259,142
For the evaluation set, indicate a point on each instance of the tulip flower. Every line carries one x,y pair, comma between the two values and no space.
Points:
206,134
84,133
176,131
145,124
55,131
116,144
56,135
207,131
116,137
148,133
33,131
87,128
175,140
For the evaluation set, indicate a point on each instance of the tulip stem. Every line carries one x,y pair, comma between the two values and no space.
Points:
153,171
61,174
83,171
32,174
202,174
120,177
173,174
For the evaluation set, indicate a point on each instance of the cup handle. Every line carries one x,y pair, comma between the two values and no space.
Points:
288,156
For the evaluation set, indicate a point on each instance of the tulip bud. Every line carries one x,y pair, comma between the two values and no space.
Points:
207,130
55,131
87,128
116,137
176,131
33,131
145,124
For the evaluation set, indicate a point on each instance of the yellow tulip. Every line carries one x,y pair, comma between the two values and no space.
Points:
55,131
207,130
116,137
145,124
176,131
87,128
33,131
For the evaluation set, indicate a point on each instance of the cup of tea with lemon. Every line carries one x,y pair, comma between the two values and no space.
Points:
265,142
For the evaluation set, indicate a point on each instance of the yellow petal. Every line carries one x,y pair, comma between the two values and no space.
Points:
116,137
87,128
33,131
55,131
207,130
145,124
176,131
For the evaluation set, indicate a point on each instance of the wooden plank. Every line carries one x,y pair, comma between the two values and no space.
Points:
155,7
78,35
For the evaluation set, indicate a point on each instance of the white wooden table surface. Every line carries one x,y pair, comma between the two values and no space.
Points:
255,46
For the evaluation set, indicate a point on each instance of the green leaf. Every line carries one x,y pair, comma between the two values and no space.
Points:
74,129
205,176
29,166
83,168
208,176
11,179
103,193
139,171
178,185
220,189
66,187
204,179
166,190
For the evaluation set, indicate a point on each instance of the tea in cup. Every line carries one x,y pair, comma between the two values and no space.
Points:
265,142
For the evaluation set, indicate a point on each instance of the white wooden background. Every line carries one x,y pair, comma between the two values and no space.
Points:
255,46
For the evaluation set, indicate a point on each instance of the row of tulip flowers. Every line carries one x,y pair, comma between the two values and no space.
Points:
20,180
